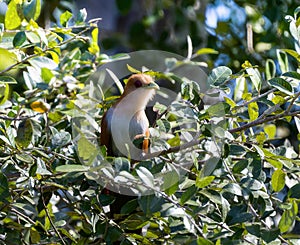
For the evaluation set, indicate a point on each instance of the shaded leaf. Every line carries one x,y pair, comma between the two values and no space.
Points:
19,39
24,133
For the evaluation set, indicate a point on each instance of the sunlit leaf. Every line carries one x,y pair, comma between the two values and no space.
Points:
132,70
40,106
278,180
204,181
4,92
255,77
86,149
12,18
71,168
203,51
219,75
270,130
65,17
288,218
145,176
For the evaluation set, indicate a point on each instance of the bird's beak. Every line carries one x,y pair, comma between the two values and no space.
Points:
152,85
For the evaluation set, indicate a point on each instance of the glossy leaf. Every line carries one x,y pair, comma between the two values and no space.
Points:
281,85
219,75
19,39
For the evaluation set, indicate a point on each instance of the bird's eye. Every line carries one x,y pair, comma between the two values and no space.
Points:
138,83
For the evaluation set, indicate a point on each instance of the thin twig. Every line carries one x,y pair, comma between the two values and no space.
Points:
255,99
292,102
50,219
24,216
263,120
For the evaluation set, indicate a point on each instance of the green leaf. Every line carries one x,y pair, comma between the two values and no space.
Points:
72,168
186,196
270,69
4,190
12,18
65,17
240,89
129,207
270,130
218,110
41,168
60,139
4,92
175,141
278,180
8,59
203,51
282,85
19,39
116,80
31,9
46,74
151,204
255,77
219,75
132,70
270,235
253,111
288,218
283,59
24,133
203,241
145,176
204,181
7,80
294,192
171,182
85,148
43,62
134,222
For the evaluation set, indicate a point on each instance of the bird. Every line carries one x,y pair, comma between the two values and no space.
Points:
125,123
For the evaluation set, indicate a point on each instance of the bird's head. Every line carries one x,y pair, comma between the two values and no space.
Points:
139,89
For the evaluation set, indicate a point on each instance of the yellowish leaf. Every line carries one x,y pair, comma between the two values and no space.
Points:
40,106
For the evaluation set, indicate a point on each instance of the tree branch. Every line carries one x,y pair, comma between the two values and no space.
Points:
263,120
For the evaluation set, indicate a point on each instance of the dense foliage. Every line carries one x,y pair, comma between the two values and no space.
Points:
53,172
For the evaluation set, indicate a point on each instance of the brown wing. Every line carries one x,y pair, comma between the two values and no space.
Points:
105,137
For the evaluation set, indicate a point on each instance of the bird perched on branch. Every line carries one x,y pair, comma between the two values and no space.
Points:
126,121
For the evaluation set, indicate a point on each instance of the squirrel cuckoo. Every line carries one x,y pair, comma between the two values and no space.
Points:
126,121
